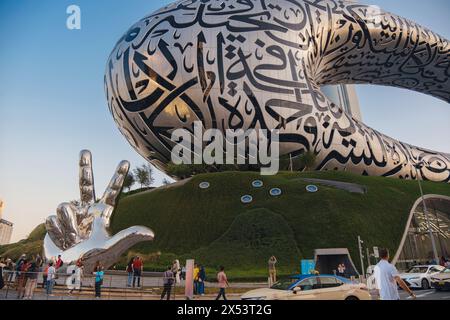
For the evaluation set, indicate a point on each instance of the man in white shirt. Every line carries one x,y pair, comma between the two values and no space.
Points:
50,279
387,277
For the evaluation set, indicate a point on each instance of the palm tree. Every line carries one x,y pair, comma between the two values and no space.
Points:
129,181
144,175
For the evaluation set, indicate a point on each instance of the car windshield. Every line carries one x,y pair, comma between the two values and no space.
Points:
418,270
284,284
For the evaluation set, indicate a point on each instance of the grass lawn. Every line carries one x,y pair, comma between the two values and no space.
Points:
214,227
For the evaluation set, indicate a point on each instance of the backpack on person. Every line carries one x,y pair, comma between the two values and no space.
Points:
169,278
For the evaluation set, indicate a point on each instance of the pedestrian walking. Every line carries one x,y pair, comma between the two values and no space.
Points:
183,273
387,278
272,270
2,267
39,261
22,278
138,267
44,276
18,267
176,269
99,273
223,283
32,278
73,282
129,270
59,262
51,275
195,277
79,273
201,281
341,270
168,280
10,270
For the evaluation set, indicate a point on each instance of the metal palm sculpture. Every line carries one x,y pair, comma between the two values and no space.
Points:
81,230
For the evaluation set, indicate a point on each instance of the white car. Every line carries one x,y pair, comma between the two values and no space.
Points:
311,287
420,276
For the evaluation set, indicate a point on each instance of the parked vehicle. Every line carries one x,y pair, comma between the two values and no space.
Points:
420,276
311,287
441,281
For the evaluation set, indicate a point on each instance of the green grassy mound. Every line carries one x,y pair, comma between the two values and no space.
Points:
214,227
32,245
252,237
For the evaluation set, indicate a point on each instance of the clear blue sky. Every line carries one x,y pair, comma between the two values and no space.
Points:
52,101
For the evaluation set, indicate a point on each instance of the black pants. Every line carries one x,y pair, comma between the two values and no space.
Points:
167,290
137,274
98,288
221,293
44,281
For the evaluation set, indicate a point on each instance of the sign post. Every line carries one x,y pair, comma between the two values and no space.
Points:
307,266
376,254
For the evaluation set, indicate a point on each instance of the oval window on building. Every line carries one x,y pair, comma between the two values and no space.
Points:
275,192
246,199
257,183
312,188
204,185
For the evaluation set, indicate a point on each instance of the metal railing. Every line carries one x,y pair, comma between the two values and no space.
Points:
114,285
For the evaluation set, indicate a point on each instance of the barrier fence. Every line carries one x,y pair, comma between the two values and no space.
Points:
115,285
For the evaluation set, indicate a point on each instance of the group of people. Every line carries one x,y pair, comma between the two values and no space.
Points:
341,270
134,269
199,277
173,274
24,274
445,262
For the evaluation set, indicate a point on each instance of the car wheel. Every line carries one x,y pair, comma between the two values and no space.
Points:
351,298
425,284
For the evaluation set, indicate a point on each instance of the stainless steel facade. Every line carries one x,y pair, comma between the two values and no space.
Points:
261,64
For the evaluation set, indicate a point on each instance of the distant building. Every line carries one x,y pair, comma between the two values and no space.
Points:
6,227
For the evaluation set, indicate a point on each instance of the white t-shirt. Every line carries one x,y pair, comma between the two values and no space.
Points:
51,273
384,274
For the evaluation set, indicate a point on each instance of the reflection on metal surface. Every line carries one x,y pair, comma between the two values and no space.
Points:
80,230
260,64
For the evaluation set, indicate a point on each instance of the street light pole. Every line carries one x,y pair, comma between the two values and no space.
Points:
361,257
425,211
368,256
